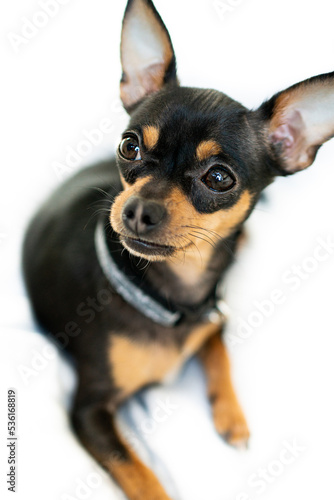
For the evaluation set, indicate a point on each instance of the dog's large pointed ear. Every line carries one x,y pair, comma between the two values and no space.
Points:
299,120
147,54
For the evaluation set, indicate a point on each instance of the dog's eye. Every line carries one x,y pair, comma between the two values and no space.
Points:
129,148
218,179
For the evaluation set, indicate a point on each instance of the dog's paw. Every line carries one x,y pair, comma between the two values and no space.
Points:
230,422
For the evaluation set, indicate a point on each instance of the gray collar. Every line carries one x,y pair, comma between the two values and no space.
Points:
135,296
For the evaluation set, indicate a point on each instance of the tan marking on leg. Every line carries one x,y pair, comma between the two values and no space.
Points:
198,337
206,149
150,136
228,417
136,364
136,480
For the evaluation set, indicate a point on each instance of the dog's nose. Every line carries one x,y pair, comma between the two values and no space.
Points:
141,216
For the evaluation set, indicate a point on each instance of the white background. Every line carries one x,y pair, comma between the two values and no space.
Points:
65,81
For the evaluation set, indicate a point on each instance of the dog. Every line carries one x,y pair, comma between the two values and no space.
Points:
133,292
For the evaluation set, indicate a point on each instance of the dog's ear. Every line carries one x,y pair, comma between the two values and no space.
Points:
299,120
147,54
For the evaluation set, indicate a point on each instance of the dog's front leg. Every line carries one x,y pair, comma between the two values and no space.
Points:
227,414
95,426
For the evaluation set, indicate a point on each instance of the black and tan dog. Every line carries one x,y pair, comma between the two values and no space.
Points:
131,293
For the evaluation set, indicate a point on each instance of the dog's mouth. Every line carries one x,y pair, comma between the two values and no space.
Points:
148,249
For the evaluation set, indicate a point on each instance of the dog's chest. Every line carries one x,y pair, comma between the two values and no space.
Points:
135,363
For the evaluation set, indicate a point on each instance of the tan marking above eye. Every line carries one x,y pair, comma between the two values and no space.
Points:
150,136
206,149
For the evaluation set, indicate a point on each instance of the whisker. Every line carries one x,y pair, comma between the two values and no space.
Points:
202,238
214,233
207,238
219,239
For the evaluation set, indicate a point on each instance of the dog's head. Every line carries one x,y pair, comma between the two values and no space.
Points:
193,162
